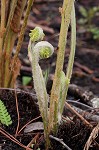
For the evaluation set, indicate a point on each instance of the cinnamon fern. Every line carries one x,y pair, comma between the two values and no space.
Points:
4,115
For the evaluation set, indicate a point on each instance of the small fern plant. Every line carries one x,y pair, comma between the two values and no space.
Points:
4,115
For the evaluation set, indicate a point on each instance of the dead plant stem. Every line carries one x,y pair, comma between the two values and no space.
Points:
11,35
92,137
2,30
21,36
12,6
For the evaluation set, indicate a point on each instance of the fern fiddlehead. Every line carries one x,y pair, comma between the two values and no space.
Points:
36,34
37,51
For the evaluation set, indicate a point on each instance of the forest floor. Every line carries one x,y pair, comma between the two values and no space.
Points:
45,13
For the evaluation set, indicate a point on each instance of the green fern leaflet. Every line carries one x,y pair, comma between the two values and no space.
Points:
4,115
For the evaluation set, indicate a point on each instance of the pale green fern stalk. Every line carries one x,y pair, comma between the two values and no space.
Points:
39,82
53,113
73,44
66,80
61,98
41,50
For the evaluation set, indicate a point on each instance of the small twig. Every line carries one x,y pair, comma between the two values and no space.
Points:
86,51
28,134
60,141
75,112
96,143
87,115
92,137
9,136
80,73
28,123
85,68
77,103
38,142
95,79
17,108
33,140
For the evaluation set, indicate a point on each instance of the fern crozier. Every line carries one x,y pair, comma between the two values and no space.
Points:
36,34
37,51
43,49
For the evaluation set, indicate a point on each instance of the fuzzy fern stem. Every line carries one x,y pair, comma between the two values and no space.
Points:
41,50
39,82
53,113
66,79
73,44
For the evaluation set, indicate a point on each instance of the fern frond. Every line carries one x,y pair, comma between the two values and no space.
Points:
4,115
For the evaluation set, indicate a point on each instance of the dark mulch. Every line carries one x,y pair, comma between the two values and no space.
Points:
28,110
74,134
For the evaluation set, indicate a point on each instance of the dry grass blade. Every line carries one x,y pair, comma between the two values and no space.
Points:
92,137
33,140
76,113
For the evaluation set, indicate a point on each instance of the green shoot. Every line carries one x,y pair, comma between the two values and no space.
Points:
26,80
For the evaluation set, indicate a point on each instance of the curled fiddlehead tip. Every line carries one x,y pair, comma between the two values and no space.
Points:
36,34
44,49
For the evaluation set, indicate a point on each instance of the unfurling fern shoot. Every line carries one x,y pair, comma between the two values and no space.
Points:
37,51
